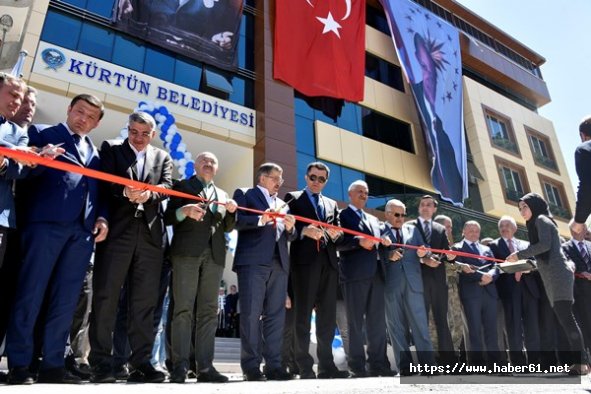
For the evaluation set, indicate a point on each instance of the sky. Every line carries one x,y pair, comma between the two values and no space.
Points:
559,31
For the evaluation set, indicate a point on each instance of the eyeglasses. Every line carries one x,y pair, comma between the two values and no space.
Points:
136,133
397,215
277,179
314,178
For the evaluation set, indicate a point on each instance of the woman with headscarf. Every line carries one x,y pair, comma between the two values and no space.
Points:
557,276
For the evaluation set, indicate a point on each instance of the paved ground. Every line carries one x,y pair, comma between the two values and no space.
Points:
463,384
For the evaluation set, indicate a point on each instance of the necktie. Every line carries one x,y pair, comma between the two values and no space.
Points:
319,206
398,236
510,246
427,230
77,141
585,255
361,215
474,248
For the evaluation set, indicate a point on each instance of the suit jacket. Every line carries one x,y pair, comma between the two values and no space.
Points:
409,267
446,176
119,159
303,250
192,237
582,164
506,283
12,135
438,241
256,244
356,262
572,252
58,196
469,283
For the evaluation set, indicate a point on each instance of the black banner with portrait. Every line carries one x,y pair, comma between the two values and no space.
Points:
205,30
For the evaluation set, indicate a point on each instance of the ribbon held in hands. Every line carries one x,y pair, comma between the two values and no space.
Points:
103,176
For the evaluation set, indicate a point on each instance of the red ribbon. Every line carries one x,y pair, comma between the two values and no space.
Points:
24,156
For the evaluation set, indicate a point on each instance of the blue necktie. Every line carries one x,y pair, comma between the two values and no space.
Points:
319,206
585,255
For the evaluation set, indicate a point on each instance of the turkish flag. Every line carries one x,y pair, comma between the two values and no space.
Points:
320,47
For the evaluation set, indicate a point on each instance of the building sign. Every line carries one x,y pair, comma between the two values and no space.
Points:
206,30
73,67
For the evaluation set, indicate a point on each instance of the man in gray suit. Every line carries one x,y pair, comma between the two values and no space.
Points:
405,305
198,255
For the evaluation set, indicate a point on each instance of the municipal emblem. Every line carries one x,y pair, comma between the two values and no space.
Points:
53,58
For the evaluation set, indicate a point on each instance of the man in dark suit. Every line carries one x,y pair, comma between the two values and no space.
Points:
64,218
520,296
261,262
314,272
406,315
582,164
362,277
434,277
133,251
198,255
579,251
478,295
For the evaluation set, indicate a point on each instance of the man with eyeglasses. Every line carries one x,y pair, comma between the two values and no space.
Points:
406,316
133,251
362,277
314,273
261,263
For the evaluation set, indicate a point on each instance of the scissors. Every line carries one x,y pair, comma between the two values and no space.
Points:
50,150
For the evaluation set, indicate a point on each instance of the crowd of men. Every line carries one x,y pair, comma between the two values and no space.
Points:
82,255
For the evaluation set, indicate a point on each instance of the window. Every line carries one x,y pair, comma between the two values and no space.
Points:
541,149
376,18
386,130
556,197
383,71
500,132
96,41
513,180
55,25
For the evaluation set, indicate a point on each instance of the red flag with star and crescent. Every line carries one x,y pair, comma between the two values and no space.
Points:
320,47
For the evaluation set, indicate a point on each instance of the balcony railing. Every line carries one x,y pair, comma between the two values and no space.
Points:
505,144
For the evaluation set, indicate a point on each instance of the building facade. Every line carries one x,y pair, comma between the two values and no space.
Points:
512,149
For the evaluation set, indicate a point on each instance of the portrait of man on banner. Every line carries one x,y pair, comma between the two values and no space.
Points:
429,51
445,174
206,30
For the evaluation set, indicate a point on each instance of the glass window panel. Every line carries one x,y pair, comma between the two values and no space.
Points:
96,41
101,7
302,108
243,91
187,74
76,3
159,64
56,24
334,186
129,53
349,176
305,135
302,163
350,118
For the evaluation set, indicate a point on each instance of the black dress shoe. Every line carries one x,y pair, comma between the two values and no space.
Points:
407,372
20,375
211,376
277,374
178,375
121,372
374,373
309,374
333,374
254,375
146,373
57,376
361,373
102,374
83,371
